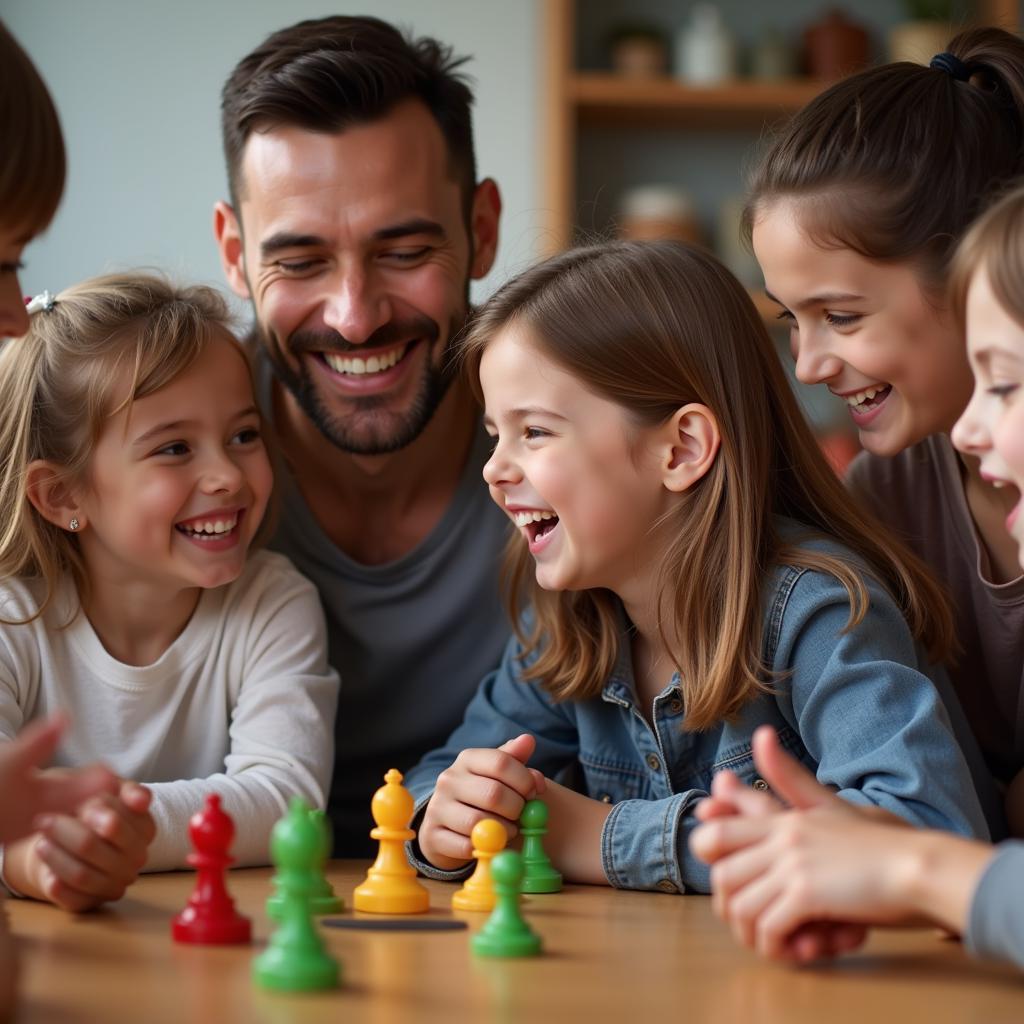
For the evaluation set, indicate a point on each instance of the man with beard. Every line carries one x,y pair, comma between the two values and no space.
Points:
354,227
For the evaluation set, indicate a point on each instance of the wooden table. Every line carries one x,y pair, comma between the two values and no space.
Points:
609,956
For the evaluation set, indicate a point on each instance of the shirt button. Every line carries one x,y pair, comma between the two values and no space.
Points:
653,763
667,886
606,798
675,706
761,785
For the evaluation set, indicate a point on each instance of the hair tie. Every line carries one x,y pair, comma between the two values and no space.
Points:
952,65
41,303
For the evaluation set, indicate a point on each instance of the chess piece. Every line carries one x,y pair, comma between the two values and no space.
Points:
538,873
209,917
391,886
323,900
295,959
505,932
489,838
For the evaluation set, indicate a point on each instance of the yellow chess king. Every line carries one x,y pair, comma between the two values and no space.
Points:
488,838
391,886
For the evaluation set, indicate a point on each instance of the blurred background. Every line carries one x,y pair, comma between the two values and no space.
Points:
597,118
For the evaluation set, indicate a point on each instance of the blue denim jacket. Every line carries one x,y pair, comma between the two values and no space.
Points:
860,708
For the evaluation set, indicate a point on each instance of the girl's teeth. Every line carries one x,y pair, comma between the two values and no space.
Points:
864,396
525,518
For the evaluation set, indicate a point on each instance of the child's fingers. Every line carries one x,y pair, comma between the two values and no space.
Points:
732,875
35,744
779,921
74,874
520,747
62,793
135,797
747,905
453,845
128,832
717,839
73,848
726,786
540,784
499,768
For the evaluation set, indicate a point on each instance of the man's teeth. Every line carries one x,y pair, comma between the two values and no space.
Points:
865,396
525,518
357,365
211,526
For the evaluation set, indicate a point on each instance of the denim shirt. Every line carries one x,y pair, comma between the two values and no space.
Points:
860,708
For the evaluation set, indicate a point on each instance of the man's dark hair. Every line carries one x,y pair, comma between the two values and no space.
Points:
329,74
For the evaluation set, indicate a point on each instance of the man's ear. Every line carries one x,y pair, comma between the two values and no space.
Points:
484,225
228,232
690,443
47,487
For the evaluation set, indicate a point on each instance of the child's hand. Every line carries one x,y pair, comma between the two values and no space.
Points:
29,792
805,883
80,861
481,783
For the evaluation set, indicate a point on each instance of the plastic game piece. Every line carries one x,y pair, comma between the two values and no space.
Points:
488,838
295,959
396,924
323,900
209,917
538,873
391,886
505,933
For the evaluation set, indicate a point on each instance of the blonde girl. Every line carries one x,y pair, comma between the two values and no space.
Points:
685,568
134,482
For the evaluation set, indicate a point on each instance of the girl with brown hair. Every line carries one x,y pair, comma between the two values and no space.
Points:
685,568
778,877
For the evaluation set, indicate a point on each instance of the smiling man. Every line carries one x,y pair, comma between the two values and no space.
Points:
355,226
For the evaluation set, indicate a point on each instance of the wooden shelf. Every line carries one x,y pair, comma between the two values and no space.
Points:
606,96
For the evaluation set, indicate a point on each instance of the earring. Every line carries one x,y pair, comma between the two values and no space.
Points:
74,524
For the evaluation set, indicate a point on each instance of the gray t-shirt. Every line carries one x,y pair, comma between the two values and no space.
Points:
920,494
411,639
995,926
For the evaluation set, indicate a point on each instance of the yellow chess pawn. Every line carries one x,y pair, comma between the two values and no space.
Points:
391,886
488,838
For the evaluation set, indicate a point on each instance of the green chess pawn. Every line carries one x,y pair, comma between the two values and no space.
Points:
323,900
506,933
538,873
295,959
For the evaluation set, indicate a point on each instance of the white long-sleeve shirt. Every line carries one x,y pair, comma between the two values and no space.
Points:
241,704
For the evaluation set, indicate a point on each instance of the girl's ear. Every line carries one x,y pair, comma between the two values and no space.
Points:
52,496
691,443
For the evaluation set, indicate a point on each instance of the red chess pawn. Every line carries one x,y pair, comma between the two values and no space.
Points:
210,917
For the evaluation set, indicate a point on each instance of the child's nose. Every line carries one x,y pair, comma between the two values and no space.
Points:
814,363
222,474
499,469
970,432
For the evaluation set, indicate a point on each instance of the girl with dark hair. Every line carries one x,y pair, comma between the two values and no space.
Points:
855,211
788,881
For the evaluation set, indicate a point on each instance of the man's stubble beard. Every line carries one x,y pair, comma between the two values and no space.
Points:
369,429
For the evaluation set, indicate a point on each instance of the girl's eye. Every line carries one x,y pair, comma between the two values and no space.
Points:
533,433
174,448
841,319
11,268
785,315
1002,390
247,435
